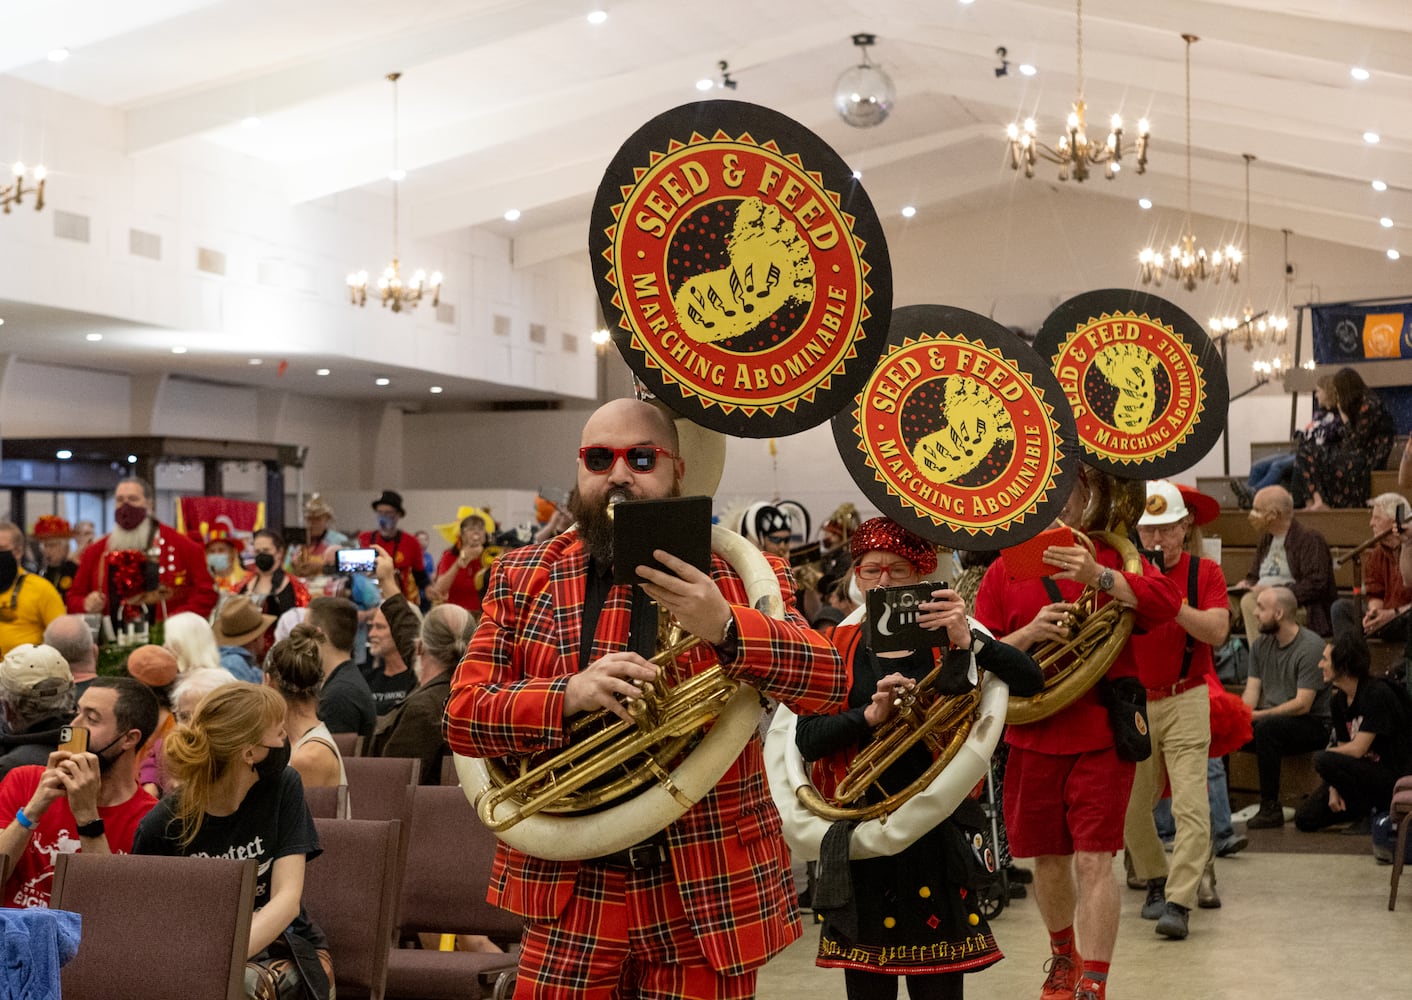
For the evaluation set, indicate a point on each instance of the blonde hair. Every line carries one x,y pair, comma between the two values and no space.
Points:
199,754
189,638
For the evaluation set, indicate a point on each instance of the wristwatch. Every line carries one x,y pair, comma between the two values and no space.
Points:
1106,579
978,641
729,645
90,830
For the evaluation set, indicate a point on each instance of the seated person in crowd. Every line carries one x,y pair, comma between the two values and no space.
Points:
237,797
388,674
1372,740
413,728
1341,474
72,637
157,668
242,634
295,670
345,702
1385,596
80,801
37,694
1289,555
189,638
31,602
1288,695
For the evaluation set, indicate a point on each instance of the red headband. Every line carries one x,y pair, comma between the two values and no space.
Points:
881,535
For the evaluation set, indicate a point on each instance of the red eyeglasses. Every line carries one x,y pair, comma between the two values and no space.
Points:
600,459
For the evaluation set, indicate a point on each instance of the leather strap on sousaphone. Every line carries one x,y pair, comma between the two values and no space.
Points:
1146,385
741,268
961,433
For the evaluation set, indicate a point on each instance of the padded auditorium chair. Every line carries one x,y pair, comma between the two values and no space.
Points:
1401,813
127,900
377,786
350,891
349,744
443,891
329,802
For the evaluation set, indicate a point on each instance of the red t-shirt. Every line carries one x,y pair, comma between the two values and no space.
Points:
56,833
1159,651
407,559
463,590
1004,604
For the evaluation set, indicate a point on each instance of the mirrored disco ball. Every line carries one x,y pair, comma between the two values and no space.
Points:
864,96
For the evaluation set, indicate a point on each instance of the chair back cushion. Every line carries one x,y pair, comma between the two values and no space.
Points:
350,891
377,786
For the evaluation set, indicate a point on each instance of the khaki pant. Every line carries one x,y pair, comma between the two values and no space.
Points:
1181,737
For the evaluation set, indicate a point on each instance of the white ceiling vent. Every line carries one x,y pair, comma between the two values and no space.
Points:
537,333
142,244
500,325
69,226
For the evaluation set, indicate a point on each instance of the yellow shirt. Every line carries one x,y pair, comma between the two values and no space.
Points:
23,618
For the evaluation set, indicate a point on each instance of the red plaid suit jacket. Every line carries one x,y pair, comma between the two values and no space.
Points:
729,858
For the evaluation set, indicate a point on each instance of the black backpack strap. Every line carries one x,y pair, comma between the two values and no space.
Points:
1193,564
1052,588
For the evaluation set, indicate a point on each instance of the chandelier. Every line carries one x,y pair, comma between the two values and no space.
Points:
391,289
1256,329
1186,262
1074,152
15,193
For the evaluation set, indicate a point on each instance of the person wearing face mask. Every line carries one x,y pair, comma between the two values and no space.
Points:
223,559
237,797
87,801
1288,555
294,668
174,562
406,552
271,589
28,603
53,534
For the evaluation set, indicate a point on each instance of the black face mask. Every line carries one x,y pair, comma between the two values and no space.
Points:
105,764
264,561
9,570
274,763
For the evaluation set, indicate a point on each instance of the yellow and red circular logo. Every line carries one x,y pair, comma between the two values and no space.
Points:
741,267
961,433
1142,379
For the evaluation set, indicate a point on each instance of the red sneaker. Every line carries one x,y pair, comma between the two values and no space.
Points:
1090,989
1063,976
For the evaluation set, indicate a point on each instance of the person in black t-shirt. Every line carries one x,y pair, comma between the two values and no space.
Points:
238,798
345,702
1372,740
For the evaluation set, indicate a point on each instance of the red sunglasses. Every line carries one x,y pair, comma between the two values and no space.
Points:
599,458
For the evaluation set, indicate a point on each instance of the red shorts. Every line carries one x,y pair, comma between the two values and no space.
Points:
623,933
1066,803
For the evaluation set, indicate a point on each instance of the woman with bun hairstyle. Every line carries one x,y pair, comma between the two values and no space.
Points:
293,669
236,797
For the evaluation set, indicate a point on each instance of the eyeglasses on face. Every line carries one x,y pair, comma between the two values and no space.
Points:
900,570
599,458
779,539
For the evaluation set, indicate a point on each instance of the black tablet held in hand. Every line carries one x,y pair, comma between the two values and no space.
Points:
679,525
892,618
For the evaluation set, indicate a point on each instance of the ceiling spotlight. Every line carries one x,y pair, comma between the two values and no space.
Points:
382,381
908,211
93,338
63,454
597,16
512,214
1380,185
1385,222
1359,73
864,94
321,371
1144,203
250,122
178,349
397,174
436,390
1372,138
1393,255
58,55
1027,70
255,361
704,84
132,460
600,336
1004,68
857,175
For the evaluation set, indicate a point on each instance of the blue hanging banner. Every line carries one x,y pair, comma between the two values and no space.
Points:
1350,333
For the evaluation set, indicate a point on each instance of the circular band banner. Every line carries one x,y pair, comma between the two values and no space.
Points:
961,433
741,268
1146,385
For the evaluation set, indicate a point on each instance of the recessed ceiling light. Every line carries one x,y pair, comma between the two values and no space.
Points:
1385,222
436,390
382,381
397,175
1027,70
597,16
250,122
1393,255
178,349
63,454
908,211
1359,73
321,371
857,175
132,460
1380,185
93,338
1144,203
58,55
704,84
512,214
255,361
600,336
1372,138
967,3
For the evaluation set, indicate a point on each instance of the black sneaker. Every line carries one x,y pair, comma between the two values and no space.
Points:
1245,499
1270,817
1233,844
1156,902
1172,923
1017,874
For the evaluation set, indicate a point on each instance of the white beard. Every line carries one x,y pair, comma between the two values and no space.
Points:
120,539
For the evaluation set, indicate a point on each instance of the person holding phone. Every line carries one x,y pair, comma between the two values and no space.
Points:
913,912
462,573
696,909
